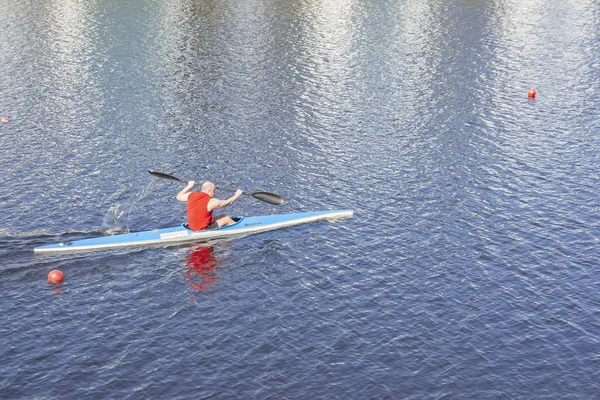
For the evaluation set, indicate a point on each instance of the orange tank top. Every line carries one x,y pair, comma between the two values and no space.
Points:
198,215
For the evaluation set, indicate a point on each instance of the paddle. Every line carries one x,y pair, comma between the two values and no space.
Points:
271,198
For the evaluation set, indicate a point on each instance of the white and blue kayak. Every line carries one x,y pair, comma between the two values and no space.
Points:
181,234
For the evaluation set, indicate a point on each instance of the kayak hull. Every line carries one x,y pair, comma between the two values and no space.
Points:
180,234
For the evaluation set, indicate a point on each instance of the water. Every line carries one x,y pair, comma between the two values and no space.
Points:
470,267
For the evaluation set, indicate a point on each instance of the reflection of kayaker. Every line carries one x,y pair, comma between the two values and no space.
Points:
202,265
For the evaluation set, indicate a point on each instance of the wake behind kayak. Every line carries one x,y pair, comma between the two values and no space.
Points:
181,234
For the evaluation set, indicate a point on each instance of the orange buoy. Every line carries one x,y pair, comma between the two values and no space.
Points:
55,276
531,93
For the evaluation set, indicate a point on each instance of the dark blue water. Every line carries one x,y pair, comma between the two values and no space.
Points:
470,268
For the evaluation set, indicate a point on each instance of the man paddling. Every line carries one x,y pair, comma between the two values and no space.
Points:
200,206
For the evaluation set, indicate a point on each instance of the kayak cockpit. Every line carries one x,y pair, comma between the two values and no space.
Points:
237,220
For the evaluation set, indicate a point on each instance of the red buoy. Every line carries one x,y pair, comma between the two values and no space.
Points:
531,93
55,276
4,120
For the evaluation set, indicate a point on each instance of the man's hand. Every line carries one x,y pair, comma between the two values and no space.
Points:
185,192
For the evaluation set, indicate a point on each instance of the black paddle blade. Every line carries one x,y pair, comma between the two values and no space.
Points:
269,198
165,176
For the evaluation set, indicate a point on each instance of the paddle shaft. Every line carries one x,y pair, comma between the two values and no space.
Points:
271,198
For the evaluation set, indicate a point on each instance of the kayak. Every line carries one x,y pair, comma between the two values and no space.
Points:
181,234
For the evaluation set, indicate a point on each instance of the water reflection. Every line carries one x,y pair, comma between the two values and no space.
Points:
201,268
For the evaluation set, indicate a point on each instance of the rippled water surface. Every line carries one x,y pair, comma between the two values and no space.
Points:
470,268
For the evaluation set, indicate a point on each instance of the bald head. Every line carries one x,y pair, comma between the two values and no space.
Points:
208,188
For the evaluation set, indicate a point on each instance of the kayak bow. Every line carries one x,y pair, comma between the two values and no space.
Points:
181,234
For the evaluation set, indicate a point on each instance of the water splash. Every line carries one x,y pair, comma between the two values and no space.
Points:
116,220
